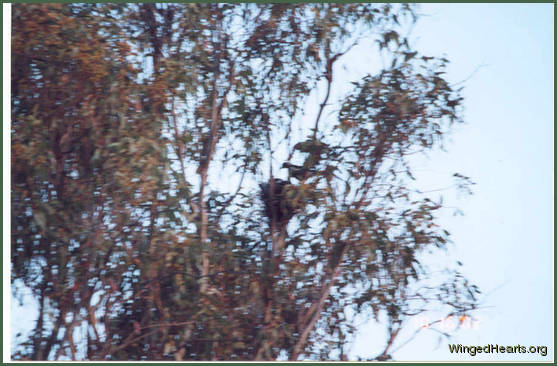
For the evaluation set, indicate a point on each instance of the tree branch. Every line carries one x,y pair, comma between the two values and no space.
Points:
310,318
329,77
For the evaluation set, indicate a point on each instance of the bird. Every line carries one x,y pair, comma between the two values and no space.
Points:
301,173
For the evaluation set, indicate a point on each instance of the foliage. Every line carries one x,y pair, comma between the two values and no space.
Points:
123,117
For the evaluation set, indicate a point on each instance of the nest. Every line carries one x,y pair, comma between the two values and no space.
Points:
277,208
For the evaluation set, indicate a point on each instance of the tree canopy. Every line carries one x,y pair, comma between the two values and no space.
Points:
140,134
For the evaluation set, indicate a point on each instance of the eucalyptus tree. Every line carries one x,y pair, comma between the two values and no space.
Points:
125,118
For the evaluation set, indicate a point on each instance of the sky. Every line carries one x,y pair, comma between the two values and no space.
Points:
505,238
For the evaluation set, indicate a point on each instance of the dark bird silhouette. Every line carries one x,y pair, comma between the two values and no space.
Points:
299,172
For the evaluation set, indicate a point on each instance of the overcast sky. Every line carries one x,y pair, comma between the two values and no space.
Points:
505,239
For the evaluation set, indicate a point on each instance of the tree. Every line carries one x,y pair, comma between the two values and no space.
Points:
124,115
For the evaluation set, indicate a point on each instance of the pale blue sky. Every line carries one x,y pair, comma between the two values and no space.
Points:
505,238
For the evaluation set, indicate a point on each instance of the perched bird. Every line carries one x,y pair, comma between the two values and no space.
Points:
296,171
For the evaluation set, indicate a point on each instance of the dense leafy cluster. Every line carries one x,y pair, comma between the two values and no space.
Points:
126,117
